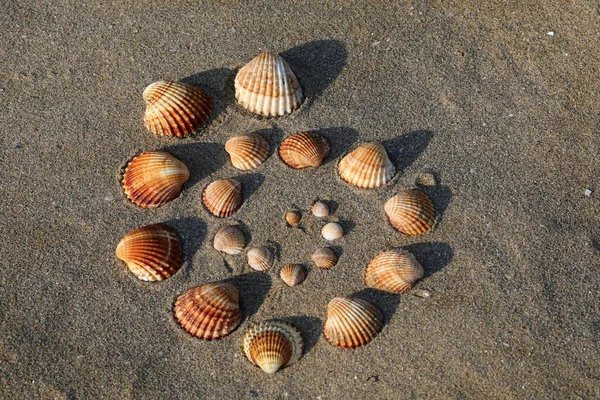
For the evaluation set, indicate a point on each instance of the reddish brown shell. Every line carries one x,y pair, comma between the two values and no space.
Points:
293,274
324,258
394,271
247,151
352,323
273,345
304,149
293,217
368,166
223,198
411,212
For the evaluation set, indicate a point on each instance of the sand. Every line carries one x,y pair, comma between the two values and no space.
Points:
498,100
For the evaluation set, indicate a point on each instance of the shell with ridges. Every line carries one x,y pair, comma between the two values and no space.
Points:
352,323
260,258
320,209
304,149
324,258
247,151
394,271
411,212
368,166
293,274
223,198
273,345
230,240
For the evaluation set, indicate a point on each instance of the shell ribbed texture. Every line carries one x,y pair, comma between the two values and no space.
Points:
273,345
304,149
394,271
260,258
247,151
223,198
230,240
368,166
324,258
411,212
293,274
352,323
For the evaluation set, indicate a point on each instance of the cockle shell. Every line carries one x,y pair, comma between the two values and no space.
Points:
293,217
293,274
324,258
394,271
260,258
152,253
368,166
411,212
247,151
229,240
267,86
304,149
153,178
223,198
273,345
320,209
175,108
352,323
332,231
209,311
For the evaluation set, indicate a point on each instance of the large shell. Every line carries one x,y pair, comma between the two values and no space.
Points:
152,253
175,108
293,274
324,258
394,271
352,323
247,151
368,166
304,149
209,311
273,345
267,86
411,212
332,231
260,258
223,198
229,240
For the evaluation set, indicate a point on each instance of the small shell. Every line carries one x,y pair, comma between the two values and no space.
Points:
352,323
304,149
394,271
320,209
152,253
368,166
293,218
332,231
247,151
229,240
411,212
267,86
175,108
154,178
293,274
324,258
223,198
272,345
209,311
260,258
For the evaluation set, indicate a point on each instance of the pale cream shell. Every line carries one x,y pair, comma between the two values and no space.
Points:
394,271
229,240
352,323
332,231
247,151
223,197
368,166
260,258
320,209
273,345
411,212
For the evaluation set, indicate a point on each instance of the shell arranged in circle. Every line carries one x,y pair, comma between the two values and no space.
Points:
223,198
332,231
175,108
352,323
324,258
293,217
267,86
209,311
273,345
260,258
320,209
154,178
229,240
304,149
293,274
394,271
368,166
247,151
152,252
411,212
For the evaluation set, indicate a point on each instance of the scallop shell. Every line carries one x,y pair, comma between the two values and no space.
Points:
175,108
394,271
260,258
247,151
352,323
209,311
223,198
293,274
368,166
324,258
411,212
320,209
273,345
152,253
267,86
293,218
332,231
304,149
229,240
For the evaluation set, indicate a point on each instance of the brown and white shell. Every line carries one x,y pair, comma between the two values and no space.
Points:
154,178
320,209
175,108
394,271
223,197
304,149
230,240
267,86
293,217
368,166
293,274
411,212
209,311
352,323
247,151
273,345
332,231
324,258
260,258
152,252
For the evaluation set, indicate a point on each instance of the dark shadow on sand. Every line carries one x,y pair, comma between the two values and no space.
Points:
218,84
440,195
310,328
433,256
253,288
201,159
192,232
340,138
404,150
250,184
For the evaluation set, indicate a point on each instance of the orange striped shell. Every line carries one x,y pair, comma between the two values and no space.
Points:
324,258
247,151
352,323
304,149
293,274
223,198
394,271
368,166
230,240
273,345
411,212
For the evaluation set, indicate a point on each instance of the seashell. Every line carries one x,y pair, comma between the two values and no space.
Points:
229,240
152,252
293,218
175,108
411,212
368,166
324,258
273,345
209,311
352,323
394,271
304,149
332,231
247,151
223,198
260,258
320,209
154,178
267,86
293,274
